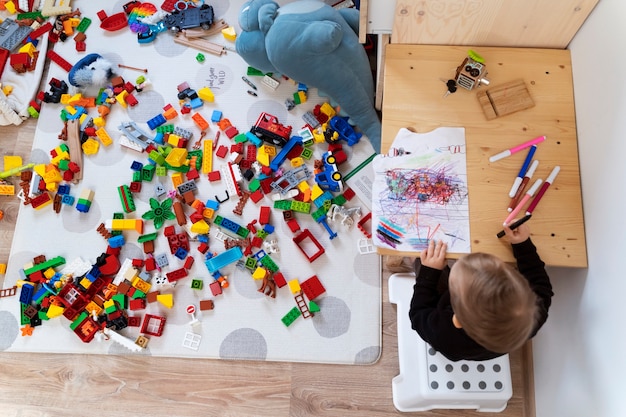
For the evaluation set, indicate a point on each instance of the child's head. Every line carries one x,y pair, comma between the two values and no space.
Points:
492,301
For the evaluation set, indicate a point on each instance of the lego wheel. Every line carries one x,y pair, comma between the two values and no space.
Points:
330,159
336,176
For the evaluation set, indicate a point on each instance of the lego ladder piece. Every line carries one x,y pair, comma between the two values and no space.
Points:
8,292
76,150
302,306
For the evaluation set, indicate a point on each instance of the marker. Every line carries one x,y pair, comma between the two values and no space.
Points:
542,191
523,201
252,93
247,81
522,186
515,225
517,148
522,171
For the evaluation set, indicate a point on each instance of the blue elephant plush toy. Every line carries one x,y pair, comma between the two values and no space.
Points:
315,44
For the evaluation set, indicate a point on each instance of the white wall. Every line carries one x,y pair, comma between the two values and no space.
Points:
580,354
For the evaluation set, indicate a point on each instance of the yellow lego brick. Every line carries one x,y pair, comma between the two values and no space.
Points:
141,285
206,94
303,186
3,269
229,33
201,227
7,90
12,161
263,158
70,109
208,213
328,110
10,6
64,155
121,98
109,303
99,121
85,283
177,179
316,191
52,176
93,307
75,98
259,273
54,311
91,146
104,137
269,149
82,118
177,156
52,186
166,299
294,286
296,162
65,98
207,156
40,169
7,189
49,273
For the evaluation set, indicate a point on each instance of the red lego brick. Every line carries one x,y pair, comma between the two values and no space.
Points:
221,151
176,274
348,193
256,196
279,279
189,262
214,176
312,288
137,304
264,214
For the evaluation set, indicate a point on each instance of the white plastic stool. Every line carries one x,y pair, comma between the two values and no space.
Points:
428,380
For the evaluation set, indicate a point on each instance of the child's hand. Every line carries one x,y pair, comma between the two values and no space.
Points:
434,255
519,235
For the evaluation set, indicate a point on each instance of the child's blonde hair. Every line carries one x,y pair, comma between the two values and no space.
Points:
493,302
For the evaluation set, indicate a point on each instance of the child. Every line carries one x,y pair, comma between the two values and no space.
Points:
482,308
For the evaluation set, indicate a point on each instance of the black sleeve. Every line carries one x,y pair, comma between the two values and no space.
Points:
426,312
533,269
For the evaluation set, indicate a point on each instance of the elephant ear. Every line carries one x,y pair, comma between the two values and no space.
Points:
267,14
249,14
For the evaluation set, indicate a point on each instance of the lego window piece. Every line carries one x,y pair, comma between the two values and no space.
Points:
308,245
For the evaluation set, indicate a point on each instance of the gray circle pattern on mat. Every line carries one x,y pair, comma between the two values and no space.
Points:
77,222
367,356
9,329
244,343
333,319
245,284
150,104
218,77
367,269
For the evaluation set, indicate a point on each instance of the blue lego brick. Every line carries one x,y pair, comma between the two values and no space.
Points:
63,189
26,295
156,121
216,116
68,199
181,253
117,241
223,259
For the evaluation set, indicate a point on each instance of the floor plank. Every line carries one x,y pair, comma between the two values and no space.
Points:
136,385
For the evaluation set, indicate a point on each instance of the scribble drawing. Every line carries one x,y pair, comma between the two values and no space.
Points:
422,204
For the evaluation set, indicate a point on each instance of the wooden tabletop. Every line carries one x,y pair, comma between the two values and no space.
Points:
414,80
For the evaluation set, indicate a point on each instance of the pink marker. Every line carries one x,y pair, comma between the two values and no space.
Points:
517,148
523,201
542,191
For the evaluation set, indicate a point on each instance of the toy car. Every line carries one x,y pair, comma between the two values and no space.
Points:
270,130
190,18
345,131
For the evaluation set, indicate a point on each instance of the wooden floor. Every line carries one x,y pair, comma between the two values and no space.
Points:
78,385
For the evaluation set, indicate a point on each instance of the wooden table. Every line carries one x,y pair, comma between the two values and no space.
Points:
415,78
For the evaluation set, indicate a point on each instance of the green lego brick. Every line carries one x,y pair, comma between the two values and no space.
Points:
197,284
161,171
340,200
313,307
147,237
121,300
50,263
240,138
282,205
290,317
157,158
138,294
24,319
165,128
307,153
81,317
269,263
137,176
300,206
262,234
83,25
318,214
147,172
254,185
251,263
43,315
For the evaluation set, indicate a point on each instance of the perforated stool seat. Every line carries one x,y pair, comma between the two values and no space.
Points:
428,380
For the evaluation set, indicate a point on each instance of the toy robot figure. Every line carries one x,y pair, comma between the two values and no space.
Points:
471,73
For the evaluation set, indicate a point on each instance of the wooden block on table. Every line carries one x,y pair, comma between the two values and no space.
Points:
505,99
